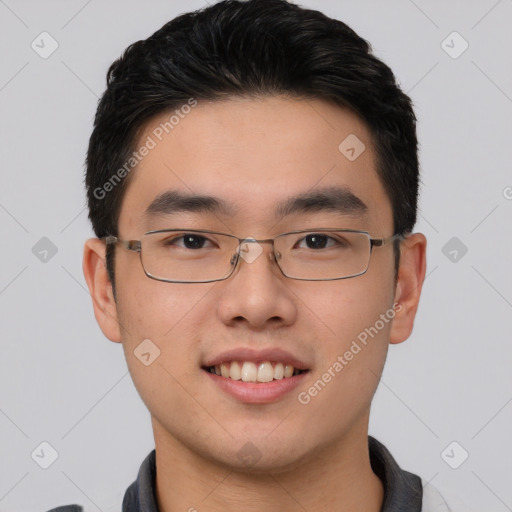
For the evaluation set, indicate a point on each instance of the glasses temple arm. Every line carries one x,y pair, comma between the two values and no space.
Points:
130,245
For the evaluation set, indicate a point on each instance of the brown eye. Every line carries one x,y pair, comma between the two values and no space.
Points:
187,241
318,241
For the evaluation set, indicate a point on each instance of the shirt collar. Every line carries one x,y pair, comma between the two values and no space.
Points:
403,491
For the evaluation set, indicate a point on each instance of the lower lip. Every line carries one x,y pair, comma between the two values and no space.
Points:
257,392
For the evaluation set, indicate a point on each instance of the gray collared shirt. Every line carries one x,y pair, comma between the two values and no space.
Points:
403,491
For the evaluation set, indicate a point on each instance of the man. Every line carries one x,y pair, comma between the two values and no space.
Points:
252,180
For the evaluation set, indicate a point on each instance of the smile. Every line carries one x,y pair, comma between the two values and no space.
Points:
248,371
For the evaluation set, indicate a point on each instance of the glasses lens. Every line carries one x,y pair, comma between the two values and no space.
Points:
200,256
323,255
188,256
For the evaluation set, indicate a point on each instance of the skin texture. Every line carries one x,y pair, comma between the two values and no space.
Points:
254,153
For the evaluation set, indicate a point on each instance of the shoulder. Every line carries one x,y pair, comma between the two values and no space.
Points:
432,499
67,508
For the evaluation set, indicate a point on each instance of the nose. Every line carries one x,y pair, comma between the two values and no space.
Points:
257,292
251,249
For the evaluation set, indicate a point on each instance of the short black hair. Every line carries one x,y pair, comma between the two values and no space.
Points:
249,48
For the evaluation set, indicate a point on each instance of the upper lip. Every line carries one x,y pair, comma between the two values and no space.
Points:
256,356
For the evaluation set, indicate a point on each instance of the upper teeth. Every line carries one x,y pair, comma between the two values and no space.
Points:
248,371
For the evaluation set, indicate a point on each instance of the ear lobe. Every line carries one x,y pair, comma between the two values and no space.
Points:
100,288
411,275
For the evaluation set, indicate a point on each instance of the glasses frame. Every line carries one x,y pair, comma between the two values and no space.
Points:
136,246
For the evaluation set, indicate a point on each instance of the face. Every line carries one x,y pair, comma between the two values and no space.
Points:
254,155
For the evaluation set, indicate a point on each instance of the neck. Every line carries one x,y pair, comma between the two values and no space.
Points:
333,478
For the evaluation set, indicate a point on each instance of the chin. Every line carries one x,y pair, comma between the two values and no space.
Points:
251,460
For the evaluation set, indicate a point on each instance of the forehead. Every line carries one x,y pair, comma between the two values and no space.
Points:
255,156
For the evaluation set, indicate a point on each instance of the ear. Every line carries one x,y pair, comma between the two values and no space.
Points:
411,274
100,288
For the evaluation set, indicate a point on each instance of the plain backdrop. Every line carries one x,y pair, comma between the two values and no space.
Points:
446,393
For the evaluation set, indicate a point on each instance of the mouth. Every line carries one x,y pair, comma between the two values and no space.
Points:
249,371
256,376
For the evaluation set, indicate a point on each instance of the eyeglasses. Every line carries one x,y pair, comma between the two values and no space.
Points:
202,256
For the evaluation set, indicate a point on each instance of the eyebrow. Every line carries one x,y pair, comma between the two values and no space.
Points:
336,199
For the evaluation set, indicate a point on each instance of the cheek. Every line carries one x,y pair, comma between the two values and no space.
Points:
357,315
153,309
348,307
358,349
157,319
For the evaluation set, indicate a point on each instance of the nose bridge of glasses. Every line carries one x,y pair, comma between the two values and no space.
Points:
249,249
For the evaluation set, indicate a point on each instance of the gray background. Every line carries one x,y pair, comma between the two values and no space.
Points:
63,383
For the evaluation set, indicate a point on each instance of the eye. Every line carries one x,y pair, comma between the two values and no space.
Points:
187,241
318,241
